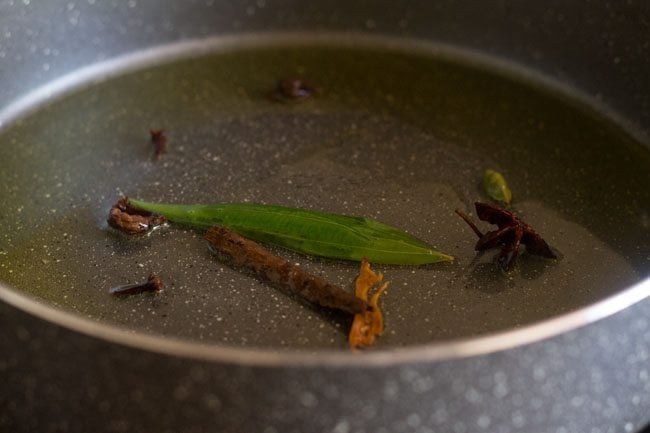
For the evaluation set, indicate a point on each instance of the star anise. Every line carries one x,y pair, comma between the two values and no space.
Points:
511,233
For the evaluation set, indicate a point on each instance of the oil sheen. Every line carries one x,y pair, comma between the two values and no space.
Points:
399,133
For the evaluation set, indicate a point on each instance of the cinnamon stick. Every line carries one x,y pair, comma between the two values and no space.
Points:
245,253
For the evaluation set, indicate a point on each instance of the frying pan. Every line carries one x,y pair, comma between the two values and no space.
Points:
414,102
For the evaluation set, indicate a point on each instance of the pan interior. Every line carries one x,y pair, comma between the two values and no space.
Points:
400,134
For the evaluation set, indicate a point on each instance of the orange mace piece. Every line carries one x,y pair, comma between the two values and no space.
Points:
367,326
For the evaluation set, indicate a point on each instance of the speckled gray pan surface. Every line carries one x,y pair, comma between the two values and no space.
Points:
397,134
407,117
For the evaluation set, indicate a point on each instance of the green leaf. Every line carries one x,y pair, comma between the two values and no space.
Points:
309,232
496,187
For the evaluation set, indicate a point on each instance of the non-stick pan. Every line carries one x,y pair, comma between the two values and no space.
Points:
412,103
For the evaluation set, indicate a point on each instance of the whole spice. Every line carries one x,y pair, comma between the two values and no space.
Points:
159,141
496,187
248,254
131,220
511,232
309,232
293,90
369,324
153,284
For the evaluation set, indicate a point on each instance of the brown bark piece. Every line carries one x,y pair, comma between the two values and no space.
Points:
245,253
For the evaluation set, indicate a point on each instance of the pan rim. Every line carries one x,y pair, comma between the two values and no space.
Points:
263,357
